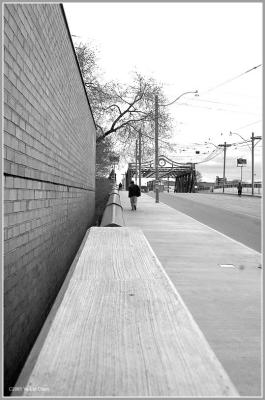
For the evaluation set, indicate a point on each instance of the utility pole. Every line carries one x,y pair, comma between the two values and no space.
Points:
136,156
140,157
156,149
252,163
225,145
253,138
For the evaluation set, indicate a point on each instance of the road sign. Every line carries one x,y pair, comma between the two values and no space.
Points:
241,161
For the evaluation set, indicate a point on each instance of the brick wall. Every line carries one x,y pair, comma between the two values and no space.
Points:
49,168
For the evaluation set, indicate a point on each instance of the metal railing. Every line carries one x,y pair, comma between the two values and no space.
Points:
113,213
232,188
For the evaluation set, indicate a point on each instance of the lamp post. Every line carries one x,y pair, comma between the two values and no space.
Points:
241,166
156,137
140,158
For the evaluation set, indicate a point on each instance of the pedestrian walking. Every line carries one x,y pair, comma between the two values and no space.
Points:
239,188
120,186
134,192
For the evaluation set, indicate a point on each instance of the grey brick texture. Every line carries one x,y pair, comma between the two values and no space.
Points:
49,168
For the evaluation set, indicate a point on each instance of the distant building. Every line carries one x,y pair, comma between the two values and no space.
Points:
166,183
234,181
205,186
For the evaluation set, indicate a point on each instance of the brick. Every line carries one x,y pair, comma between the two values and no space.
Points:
18,132
22,124
19,183
10,154
8,207
10,194
17,206
7,112
9,181
22,147
21,170
13,169
20,158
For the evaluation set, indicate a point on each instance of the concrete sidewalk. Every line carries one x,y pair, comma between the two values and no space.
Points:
224,301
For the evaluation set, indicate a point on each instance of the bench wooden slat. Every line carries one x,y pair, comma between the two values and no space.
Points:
120,328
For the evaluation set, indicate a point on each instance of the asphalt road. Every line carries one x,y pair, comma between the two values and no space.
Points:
236,217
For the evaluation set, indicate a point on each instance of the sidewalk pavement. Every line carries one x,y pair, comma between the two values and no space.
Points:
224,301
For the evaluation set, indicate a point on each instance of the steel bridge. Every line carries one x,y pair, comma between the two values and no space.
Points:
184,173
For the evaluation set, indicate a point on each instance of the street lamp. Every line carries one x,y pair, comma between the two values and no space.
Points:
211,144
156,136
245,140
253,138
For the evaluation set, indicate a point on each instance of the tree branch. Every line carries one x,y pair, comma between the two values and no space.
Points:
112,105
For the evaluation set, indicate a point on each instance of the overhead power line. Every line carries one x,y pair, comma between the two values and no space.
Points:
245,126
217,109
214,154
232,79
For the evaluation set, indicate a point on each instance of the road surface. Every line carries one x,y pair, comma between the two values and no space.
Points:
234,216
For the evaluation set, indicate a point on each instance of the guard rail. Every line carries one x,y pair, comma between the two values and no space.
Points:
113,213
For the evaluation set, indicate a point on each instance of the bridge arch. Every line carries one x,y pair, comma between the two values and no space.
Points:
184,173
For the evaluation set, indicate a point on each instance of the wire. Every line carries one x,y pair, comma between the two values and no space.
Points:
211,156
232,79
217,109
214,102
209,159
245,126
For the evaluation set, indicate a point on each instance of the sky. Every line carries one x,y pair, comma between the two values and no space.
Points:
207,47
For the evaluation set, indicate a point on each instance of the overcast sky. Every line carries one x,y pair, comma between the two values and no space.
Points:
187,47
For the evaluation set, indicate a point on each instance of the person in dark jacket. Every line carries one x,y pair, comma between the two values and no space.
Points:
120,186
239,188
134,192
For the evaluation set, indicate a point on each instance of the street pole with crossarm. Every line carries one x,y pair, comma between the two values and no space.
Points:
225,145
253,138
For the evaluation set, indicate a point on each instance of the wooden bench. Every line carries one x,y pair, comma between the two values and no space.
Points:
119,328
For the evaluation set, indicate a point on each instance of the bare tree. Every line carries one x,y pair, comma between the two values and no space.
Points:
198,176
122,110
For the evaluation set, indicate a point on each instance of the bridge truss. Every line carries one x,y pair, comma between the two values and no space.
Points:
184,173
